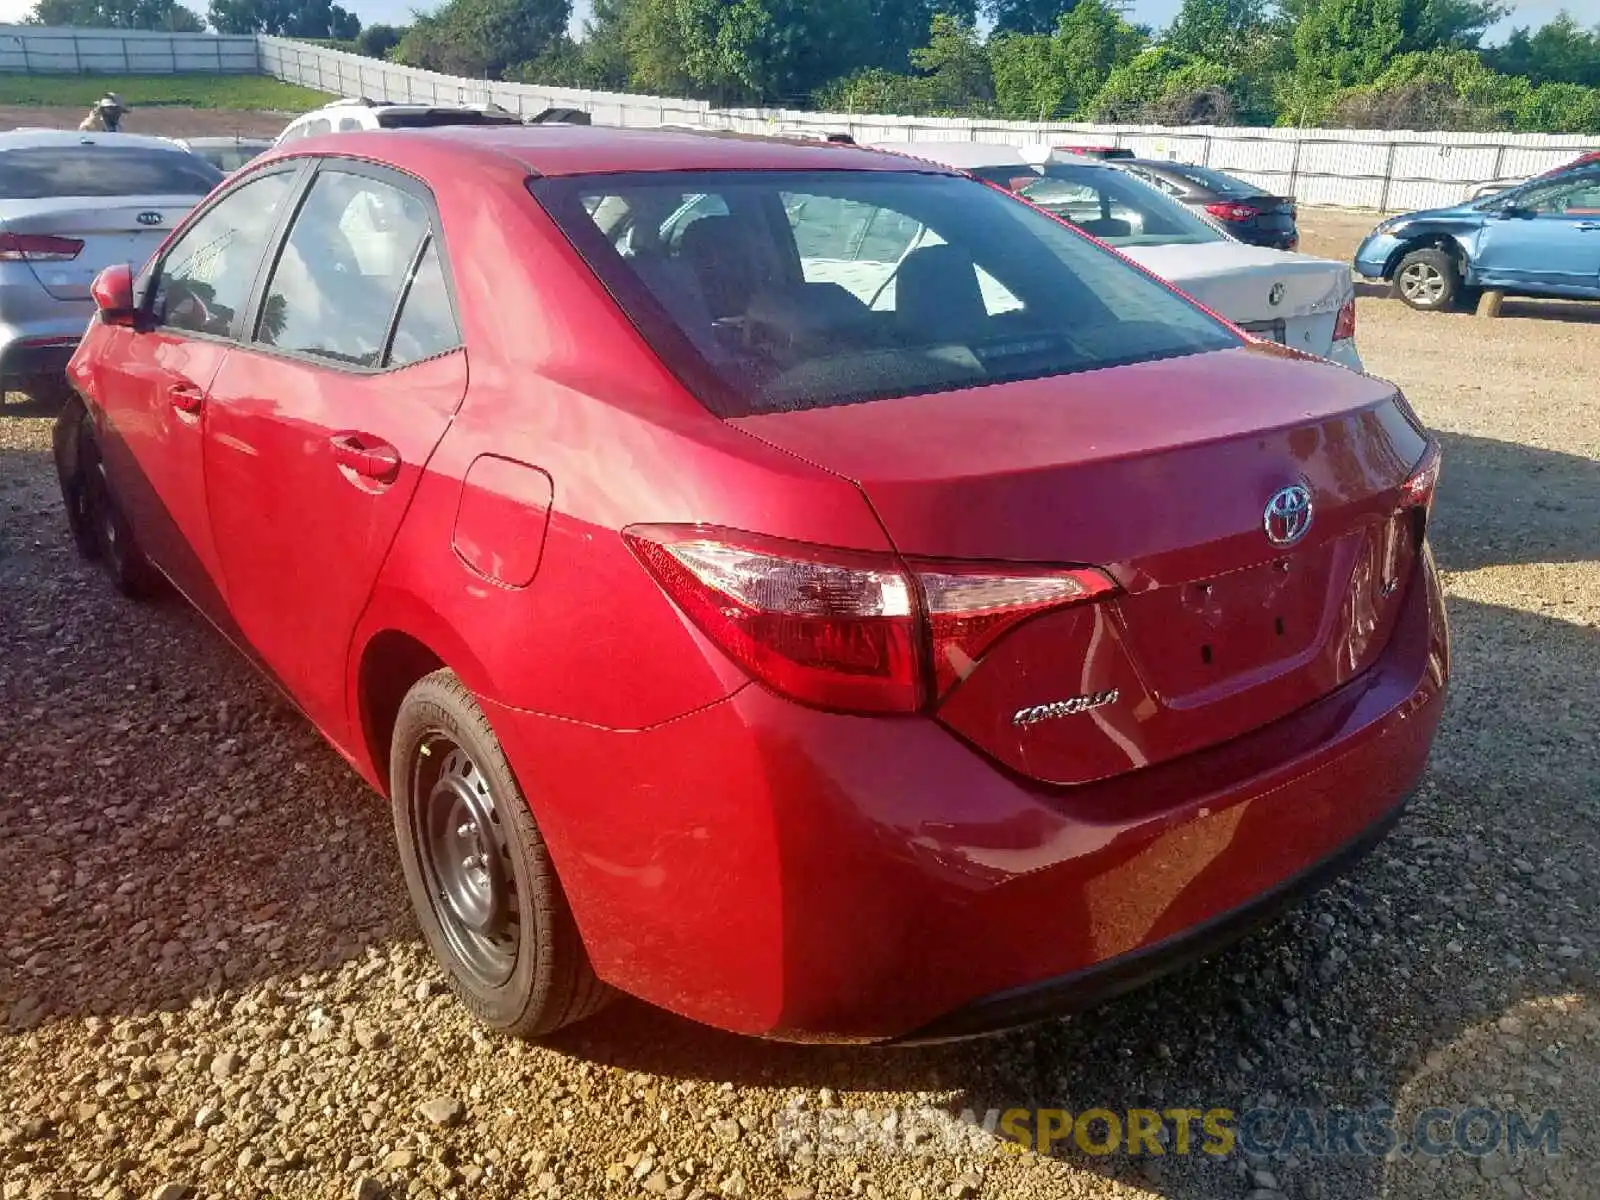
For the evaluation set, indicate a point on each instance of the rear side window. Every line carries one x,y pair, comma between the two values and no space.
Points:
821,288
339,276
427,325
43,172
205,277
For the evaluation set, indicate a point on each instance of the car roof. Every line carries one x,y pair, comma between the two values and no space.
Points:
968,156
17,139
556,150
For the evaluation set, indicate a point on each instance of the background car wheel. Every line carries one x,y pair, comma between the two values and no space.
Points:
480,876
1428,280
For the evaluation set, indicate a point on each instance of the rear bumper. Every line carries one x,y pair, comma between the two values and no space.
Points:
790,873
1108,980
33,357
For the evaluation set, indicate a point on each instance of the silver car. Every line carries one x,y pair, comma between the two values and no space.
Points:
70,204
227,154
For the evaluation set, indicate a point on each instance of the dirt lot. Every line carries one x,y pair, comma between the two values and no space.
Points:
162,121
209,976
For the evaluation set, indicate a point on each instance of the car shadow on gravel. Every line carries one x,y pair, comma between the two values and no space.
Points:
1503,503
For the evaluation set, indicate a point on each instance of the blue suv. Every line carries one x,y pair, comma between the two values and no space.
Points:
1539,239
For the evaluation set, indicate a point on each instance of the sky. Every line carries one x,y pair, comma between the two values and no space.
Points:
1150,12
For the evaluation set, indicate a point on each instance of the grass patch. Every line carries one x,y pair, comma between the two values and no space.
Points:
150,91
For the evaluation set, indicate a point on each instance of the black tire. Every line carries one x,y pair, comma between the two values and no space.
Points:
1428,280
69,436
481,880
100,531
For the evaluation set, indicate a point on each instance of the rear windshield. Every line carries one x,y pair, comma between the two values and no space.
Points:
1216,181
41,172
229,158
444,116
1114,206
777,291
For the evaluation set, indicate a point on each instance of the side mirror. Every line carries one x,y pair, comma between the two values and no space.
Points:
113,295
1510,212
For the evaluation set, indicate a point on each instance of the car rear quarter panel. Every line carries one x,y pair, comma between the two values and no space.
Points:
562,384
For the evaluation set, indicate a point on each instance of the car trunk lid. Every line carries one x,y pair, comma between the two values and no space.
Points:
1250,285
1160,474
123,229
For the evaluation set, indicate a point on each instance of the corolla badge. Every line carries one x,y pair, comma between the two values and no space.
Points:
1275,296
1069,707
1288,515
150,218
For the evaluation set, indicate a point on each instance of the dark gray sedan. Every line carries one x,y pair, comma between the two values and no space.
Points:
1249,213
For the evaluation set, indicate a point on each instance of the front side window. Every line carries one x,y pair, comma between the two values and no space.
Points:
342,268
818,288
204,279
1575,196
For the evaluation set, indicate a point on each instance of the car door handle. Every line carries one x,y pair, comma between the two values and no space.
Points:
1589,226
186,397
367,456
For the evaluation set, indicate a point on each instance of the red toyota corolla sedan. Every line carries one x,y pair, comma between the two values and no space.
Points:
807,589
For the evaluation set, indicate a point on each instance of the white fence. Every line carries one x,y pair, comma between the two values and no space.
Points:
1392,171
47,50
1351,168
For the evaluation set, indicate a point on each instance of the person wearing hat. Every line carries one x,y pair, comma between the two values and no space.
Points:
105,116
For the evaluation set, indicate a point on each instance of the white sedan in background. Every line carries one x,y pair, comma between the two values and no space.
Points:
1304,302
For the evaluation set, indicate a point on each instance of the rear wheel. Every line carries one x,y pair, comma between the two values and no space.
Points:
100,531
480,877
1428,280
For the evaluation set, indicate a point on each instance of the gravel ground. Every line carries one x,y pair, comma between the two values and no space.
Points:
209,978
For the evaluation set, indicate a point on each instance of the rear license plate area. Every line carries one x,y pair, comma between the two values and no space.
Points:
1191,637
1272,331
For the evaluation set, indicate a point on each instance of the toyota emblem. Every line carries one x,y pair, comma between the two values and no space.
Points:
1288,515
150,218
1275,296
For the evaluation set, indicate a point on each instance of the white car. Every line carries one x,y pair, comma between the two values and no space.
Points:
349,116
1304,302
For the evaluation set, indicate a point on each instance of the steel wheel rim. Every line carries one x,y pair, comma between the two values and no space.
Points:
465,860
1423,281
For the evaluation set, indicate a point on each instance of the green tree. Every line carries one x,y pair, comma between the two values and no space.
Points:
117,14
286,18
1026,16
1032,80
1038,77
1346,43
481,38
1216,29
375,41
1560,52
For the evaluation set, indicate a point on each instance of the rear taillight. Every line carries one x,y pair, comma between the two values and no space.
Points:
1408,528
1231,212
845,630
970,609
1417,491
1344,325
38,247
